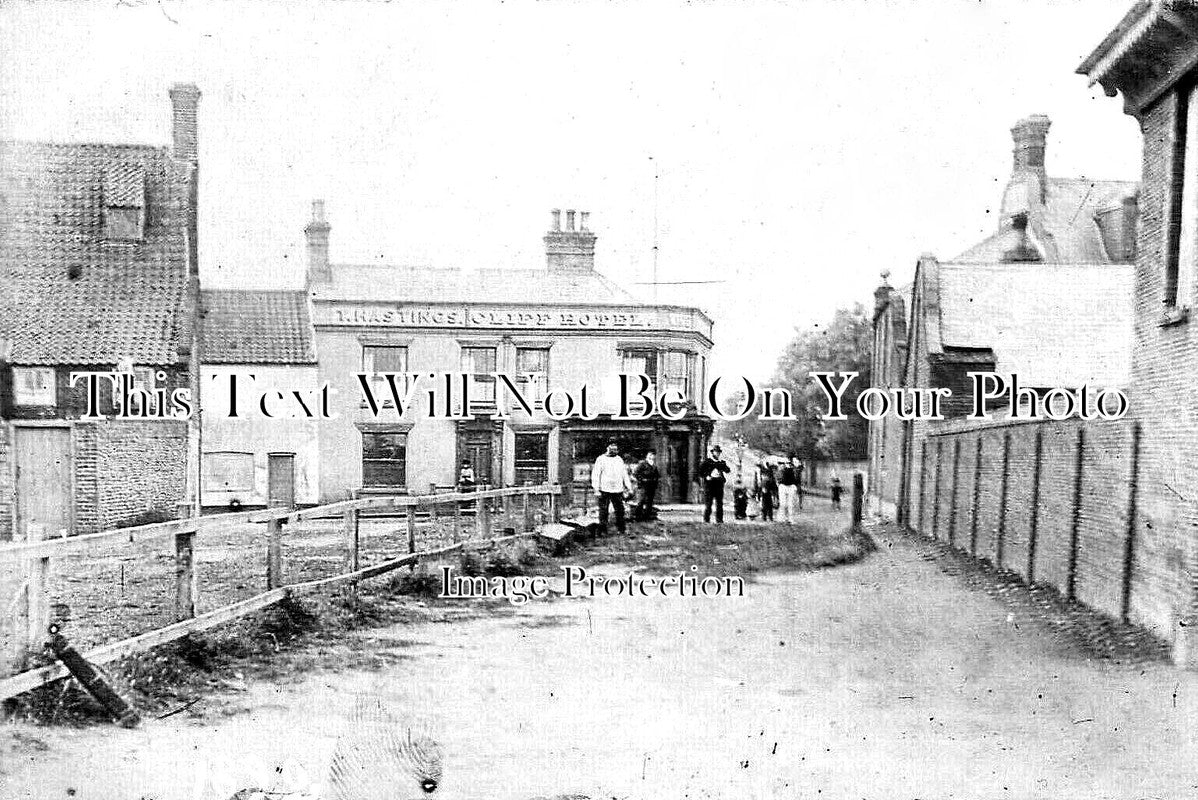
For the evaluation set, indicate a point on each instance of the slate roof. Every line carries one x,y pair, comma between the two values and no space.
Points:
1051,324
256,327
353,282
66,295
1066,223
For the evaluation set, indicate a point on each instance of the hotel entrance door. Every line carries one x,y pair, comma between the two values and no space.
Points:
476,446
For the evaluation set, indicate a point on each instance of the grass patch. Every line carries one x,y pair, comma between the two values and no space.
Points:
726,550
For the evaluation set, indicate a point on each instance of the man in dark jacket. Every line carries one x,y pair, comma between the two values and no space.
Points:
647,477
711,477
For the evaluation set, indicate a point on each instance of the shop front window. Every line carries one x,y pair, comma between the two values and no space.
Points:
532,458
384,460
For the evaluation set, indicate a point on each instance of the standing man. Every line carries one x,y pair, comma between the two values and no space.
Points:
711,476
610,480
798,465
647,476
788,488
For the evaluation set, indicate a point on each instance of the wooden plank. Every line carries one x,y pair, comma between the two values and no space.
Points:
457,521
31,679
204,525
25,681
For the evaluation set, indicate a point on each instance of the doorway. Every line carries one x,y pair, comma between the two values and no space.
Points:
44,482
280,480
476,445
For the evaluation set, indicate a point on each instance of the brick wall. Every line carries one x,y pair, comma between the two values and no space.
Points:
124,470
1050,501
1164,358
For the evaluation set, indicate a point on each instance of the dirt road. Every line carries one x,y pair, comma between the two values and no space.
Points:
882,679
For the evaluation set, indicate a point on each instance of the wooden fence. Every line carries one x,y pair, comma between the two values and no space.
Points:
472,515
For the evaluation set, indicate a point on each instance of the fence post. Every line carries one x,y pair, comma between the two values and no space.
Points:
457,521
527,517
1000,539
482,518
936,489
37,602
923,483
1035,526
274,553
1129,550
412,535
1075,532
350,529
977,486
858,499
952,495
553,503
186,580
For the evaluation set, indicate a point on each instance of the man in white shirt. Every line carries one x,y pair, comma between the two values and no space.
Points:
611,482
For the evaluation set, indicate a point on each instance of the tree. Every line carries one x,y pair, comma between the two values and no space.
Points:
843,345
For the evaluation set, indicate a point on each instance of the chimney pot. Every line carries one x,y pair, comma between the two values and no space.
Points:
318,211
570,220
584,220
556,215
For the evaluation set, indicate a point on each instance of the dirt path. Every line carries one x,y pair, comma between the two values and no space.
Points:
884,679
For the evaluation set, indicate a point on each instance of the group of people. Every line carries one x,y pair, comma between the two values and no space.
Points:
778,488
613,484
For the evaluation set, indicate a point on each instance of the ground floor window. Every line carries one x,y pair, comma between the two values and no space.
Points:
228,472
384,459
532,458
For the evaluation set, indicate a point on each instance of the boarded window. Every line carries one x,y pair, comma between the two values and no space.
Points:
228,472
33,386
384,460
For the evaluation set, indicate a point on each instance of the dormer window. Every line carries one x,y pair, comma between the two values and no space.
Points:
125,203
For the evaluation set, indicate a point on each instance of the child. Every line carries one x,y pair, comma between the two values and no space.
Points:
837,491
740,500
768,493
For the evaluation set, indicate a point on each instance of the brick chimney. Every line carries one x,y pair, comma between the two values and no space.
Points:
317,233
570,250
1030,135
185,101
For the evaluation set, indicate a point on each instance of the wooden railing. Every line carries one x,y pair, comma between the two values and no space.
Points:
509,507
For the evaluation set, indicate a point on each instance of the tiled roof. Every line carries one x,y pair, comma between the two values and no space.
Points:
1051,324
256,327
1066,221
66,295
352,282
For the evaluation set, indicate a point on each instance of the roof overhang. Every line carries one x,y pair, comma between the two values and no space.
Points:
1152,47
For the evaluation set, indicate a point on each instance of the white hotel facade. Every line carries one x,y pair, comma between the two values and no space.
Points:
565,323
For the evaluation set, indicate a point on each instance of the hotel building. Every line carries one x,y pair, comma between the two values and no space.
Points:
554,328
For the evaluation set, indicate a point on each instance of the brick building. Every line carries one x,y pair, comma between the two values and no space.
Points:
565,324
97,272
265,336
1044,296
1150,58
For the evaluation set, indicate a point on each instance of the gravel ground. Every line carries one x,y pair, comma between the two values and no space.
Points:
897,676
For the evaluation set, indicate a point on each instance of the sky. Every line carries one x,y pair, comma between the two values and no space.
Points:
785,151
